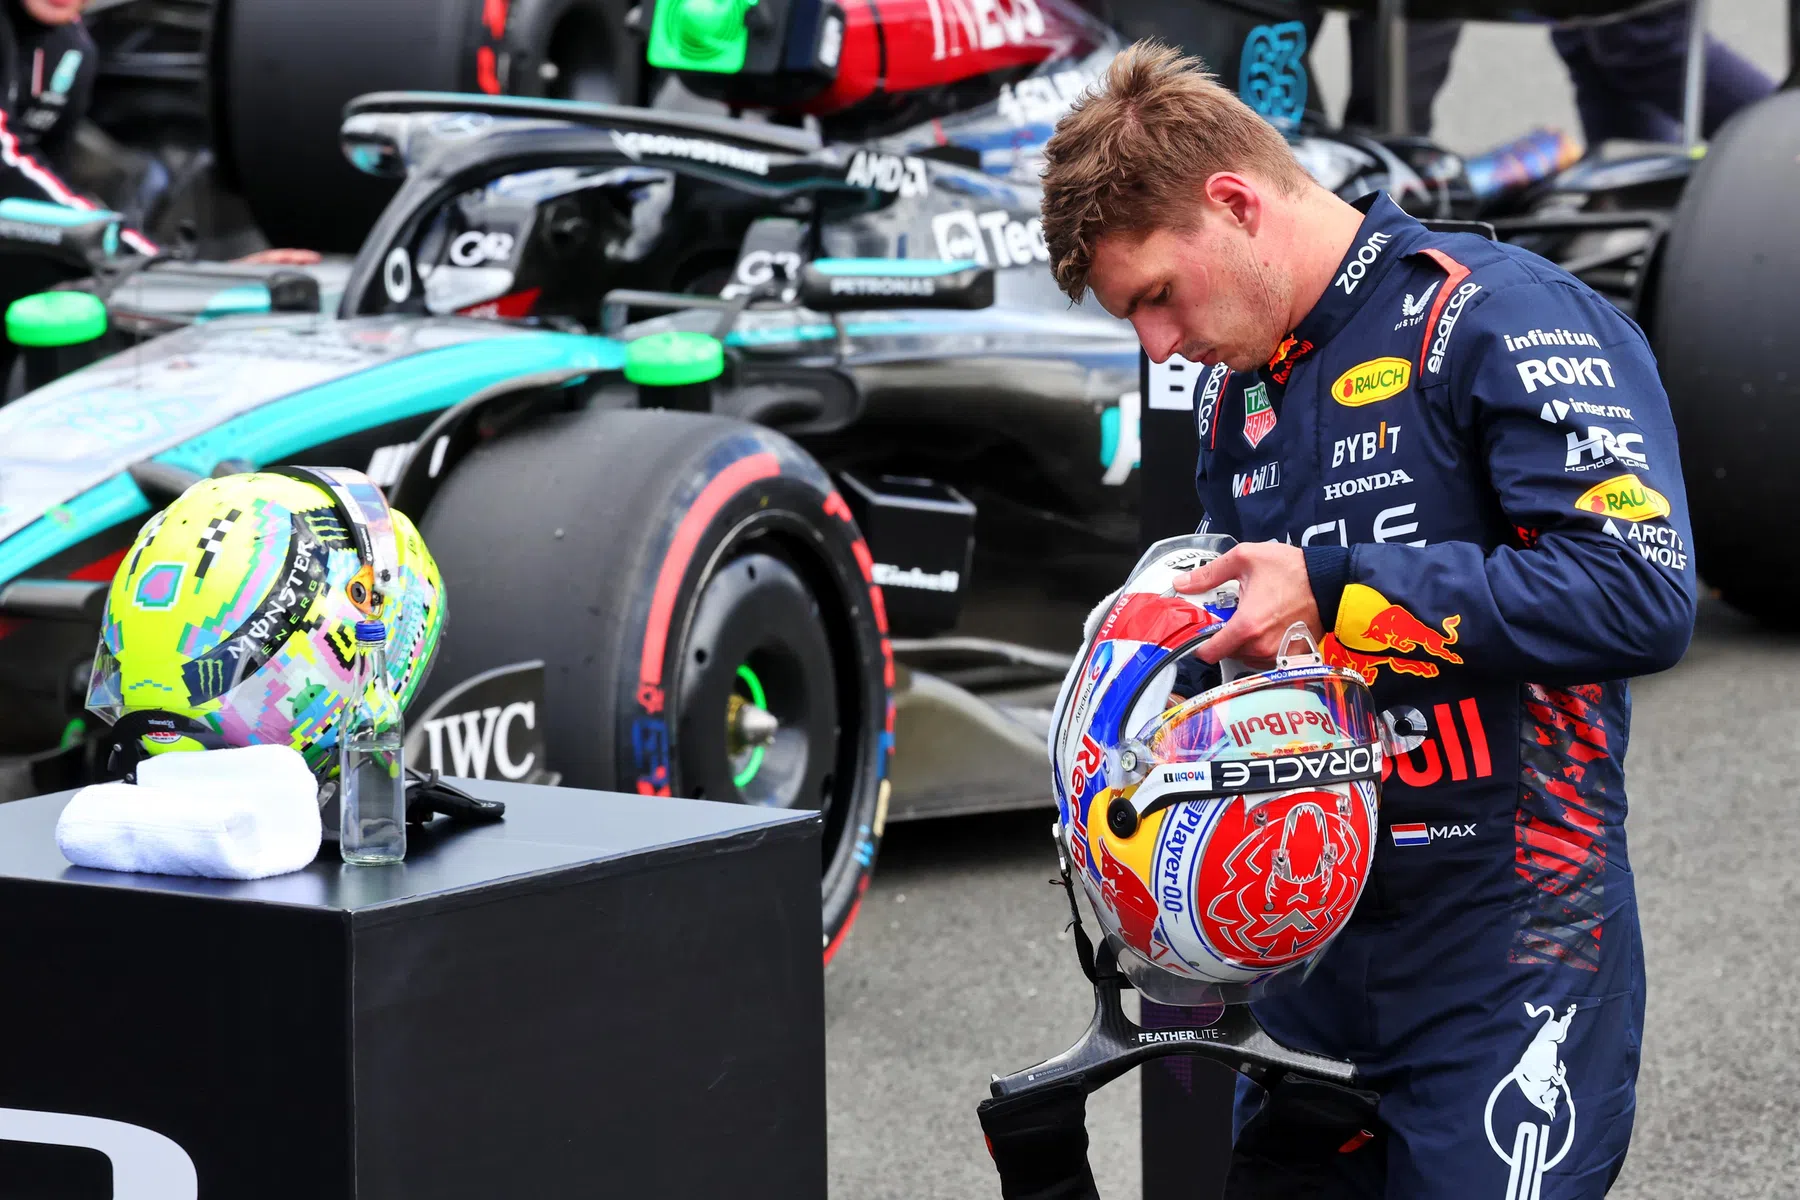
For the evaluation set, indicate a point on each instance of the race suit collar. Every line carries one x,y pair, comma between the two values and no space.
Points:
1384,238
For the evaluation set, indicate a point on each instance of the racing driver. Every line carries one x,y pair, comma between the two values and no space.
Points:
48,64
1456,464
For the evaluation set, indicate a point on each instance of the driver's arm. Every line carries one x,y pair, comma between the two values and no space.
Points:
1599,582
27,167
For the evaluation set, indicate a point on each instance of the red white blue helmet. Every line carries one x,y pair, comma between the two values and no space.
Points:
1222,839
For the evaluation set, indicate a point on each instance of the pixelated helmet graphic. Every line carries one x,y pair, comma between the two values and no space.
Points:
231,620
1224,838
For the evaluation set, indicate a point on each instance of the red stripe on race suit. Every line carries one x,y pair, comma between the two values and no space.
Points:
706,506
1455,273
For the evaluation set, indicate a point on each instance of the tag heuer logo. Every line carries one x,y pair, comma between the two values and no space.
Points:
1259,417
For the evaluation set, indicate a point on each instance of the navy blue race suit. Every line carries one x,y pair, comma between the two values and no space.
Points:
1476,453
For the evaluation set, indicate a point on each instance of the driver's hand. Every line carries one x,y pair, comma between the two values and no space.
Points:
1273,593
281,257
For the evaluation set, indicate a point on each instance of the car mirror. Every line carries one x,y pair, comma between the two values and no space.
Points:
859,284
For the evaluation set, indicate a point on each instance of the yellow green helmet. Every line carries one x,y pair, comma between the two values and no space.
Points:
236,608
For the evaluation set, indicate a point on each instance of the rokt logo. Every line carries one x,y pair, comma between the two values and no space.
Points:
1371,382
1542,372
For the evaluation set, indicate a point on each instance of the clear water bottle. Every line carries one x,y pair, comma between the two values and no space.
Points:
372,777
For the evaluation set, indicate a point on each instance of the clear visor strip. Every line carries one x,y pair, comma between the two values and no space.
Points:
1223,778
369,508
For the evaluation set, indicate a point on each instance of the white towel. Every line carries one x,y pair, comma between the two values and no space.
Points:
224,814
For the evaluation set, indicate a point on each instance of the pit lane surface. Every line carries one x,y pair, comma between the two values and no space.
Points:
958,966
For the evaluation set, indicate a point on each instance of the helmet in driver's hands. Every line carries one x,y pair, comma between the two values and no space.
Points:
232,619
1222,839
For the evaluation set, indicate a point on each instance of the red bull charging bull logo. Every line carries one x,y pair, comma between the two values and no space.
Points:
1372,633
1283,875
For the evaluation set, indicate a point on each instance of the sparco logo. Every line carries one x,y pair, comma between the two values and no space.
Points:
1542,372
661,145
1368,483
885,285
888,575
1447,325
1365,258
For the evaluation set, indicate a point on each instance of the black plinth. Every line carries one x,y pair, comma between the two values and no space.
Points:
603,995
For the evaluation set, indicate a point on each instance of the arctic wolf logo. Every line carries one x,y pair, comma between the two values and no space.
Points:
1542,1078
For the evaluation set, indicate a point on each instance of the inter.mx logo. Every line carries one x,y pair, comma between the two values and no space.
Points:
145,1164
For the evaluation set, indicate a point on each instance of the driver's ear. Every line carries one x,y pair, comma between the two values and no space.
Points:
1235,198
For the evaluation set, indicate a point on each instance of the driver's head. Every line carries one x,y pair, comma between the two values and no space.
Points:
1170,199
52,12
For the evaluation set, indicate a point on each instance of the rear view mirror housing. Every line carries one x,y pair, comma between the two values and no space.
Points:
861,284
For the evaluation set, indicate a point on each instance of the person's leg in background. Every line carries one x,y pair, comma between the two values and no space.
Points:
1629,76
1429,48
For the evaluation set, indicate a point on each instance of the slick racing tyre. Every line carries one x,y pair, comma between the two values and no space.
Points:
702,602
289,67
1723,331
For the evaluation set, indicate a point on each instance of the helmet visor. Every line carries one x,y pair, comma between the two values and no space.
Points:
1285,712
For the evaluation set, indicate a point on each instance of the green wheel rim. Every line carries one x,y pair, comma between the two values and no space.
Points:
760,699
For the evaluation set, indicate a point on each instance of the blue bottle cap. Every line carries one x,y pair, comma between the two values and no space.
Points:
371,631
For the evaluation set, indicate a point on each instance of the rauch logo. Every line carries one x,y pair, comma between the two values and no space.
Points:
1372,381
1625,497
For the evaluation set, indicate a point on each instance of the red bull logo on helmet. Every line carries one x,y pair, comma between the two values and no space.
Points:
1372,632
1284,876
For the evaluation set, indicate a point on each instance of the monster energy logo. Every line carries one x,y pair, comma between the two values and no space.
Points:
281,614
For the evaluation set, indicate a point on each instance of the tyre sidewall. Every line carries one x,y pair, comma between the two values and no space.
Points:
737,481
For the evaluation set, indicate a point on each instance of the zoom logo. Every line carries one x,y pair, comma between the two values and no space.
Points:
145,1164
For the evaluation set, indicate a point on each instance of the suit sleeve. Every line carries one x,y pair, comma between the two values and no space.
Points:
1598,580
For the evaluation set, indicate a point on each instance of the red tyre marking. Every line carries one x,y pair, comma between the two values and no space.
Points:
834,504
844,929
706,506
880,606
493,15
864,559
887,659
487,76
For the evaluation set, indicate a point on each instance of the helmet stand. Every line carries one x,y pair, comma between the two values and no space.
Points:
1113,1043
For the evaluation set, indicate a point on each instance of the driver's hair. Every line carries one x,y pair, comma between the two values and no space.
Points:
1134,152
